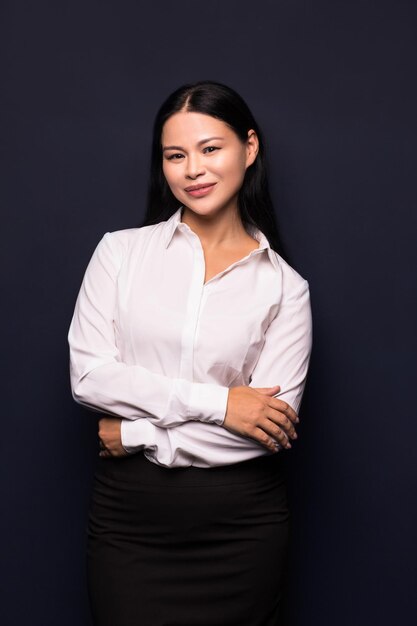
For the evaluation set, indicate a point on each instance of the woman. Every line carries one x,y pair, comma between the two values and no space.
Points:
192,335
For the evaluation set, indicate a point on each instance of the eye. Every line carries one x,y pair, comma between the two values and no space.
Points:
175,156
209,149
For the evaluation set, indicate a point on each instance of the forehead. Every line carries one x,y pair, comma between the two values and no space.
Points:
189,127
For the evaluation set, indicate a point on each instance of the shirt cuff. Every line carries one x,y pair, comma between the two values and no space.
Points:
137,435
208,403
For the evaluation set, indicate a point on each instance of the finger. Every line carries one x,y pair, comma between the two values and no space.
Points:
114,452
275,432
265,440
284,407
267,391
282,421
105,454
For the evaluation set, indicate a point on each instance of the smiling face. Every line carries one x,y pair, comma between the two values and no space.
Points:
204,161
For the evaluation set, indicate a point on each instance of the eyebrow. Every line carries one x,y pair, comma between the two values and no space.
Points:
200,143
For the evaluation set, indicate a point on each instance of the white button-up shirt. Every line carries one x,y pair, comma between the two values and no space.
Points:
153,344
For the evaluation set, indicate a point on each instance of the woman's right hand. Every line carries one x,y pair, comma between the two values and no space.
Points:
252,412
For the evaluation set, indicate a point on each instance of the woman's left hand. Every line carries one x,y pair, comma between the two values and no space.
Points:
110,436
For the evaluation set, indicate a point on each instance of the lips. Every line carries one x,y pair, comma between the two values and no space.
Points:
200,191
198,187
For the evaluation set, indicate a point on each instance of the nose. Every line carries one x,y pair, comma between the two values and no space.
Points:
194,167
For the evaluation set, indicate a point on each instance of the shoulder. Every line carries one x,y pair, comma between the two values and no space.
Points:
121,242
116,247
293,284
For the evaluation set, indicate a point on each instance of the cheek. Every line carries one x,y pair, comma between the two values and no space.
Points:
169,174
232,162
172,178
234,170
165,171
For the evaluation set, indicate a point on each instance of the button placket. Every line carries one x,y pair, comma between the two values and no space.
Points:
203,300
193,308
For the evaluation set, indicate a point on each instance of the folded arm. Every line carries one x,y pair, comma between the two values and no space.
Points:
282,361
285,356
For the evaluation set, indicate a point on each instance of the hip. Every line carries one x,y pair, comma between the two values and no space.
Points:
133,491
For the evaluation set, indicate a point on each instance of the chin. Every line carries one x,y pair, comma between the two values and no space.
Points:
208,209
204,212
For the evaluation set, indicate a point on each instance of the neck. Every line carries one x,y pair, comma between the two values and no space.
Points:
224,228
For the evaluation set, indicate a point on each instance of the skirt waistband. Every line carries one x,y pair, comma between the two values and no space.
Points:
137,469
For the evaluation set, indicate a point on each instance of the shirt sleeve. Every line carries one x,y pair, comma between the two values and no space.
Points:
102,381
141,434
286,352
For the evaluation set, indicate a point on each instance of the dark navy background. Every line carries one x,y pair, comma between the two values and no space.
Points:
333,85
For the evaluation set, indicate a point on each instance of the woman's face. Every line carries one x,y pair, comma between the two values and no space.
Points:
204,161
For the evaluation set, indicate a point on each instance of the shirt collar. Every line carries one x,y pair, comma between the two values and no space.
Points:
174,222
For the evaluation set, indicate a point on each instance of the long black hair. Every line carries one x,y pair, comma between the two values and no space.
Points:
222,102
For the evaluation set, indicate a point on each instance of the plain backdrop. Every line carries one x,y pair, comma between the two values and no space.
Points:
333,85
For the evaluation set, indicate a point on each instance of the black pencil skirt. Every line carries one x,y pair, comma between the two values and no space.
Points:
187,546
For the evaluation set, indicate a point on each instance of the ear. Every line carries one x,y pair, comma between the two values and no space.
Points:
252,147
